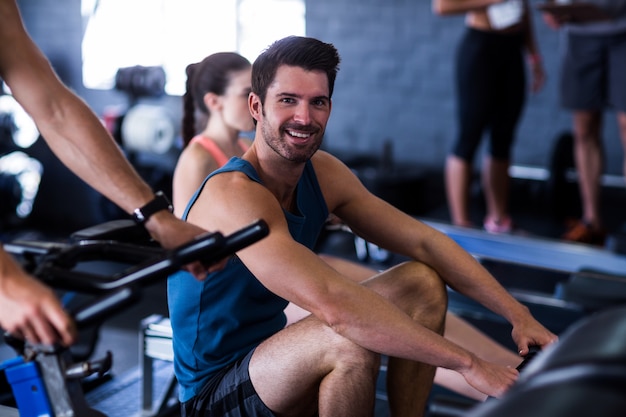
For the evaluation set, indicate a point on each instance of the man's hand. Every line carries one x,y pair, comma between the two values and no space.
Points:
530,333
30,310
490,378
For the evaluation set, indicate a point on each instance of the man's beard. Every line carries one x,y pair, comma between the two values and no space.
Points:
278,145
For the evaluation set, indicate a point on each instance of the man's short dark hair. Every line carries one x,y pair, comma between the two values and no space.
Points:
296,51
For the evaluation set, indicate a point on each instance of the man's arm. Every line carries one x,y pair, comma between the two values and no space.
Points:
73,131
82,143
377,221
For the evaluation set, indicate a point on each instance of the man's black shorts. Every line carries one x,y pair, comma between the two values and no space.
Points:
228,394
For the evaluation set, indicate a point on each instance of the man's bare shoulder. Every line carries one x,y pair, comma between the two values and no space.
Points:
229,200
324,155
330,168
236,189
339,184
324,160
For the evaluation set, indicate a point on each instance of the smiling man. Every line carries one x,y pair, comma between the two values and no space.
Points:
233,355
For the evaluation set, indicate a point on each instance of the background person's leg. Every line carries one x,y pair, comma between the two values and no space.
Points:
495,178
474,95
588,155
508,98
458,177
621,121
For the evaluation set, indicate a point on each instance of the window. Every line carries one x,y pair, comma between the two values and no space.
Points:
175,33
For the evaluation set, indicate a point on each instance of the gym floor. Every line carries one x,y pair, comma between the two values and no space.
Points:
120,334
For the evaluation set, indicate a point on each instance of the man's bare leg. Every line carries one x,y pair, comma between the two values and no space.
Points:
457,330
462,333
419,291
307,368
287,368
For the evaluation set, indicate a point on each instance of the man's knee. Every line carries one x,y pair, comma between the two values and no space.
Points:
419,287
346,356
416,289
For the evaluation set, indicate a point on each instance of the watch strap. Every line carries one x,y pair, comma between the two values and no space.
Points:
160,202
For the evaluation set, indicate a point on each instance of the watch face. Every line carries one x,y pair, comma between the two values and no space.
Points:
160,202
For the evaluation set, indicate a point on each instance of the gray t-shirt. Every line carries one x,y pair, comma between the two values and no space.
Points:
614,8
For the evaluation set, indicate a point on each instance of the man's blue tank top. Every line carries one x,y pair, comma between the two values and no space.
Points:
219,320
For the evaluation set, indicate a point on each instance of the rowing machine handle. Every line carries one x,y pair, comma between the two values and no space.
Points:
210,248
533,350
232,243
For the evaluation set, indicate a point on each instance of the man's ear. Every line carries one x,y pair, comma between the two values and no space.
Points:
255,106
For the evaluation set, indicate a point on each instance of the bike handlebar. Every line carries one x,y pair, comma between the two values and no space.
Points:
59,265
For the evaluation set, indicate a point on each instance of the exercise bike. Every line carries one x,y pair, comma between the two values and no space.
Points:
45,380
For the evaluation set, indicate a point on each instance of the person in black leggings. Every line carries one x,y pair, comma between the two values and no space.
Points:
491,85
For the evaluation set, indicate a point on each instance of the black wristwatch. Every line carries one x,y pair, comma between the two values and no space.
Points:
160,202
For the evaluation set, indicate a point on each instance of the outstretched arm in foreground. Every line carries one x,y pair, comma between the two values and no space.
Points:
75,134
29,309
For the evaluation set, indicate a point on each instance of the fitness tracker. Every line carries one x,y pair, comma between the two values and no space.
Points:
160,202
